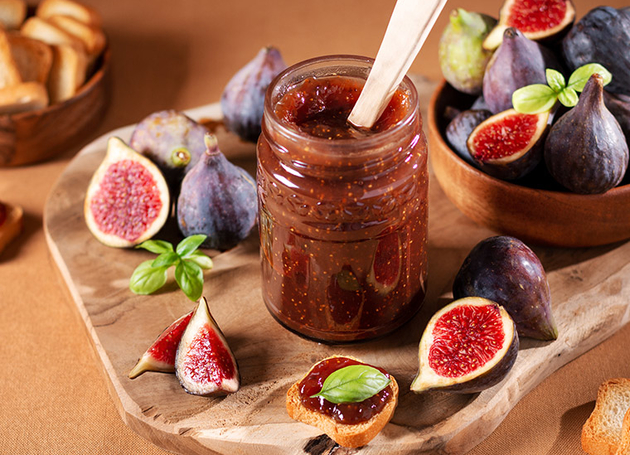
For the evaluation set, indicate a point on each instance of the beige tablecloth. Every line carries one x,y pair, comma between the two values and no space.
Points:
53,396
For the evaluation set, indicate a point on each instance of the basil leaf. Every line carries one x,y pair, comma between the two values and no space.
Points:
533,99
189,277
156,246
555,80
147,279
353,384
580,76
201,259
568,97
190,244
166,259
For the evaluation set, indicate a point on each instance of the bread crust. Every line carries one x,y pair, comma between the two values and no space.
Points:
601,434
351,436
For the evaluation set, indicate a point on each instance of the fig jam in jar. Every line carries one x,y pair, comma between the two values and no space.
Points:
342,212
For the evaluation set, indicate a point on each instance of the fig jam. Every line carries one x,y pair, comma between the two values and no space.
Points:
342,211
346,413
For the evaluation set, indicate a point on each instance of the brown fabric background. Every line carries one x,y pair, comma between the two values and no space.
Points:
53,397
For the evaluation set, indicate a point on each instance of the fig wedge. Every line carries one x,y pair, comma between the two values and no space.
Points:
204,363
468,346
161,354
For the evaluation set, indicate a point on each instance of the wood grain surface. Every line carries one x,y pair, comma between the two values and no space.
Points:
590,294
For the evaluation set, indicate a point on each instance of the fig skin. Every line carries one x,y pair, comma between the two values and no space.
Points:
459,129
213,372
120,226
461,55
172,140
243,98
619,106
481,379
505,270
519,163
586,150
516,63
217,199
601,36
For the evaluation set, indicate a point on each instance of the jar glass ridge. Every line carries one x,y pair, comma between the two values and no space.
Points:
342,222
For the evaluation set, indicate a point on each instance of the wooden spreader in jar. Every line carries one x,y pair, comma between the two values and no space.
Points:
342,211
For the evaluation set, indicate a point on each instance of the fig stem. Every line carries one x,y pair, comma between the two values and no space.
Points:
212,144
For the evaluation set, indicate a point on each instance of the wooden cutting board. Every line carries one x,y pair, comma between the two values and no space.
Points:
591,299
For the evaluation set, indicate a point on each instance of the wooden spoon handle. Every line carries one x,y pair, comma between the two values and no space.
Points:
408,28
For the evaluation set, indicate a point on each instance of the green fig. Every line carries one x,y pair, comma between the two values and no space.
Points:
462,57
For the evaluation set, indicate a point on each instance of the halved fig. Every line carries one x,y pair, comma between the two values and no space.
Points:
536,19
204,363
127,200
509,145
468,346
161,354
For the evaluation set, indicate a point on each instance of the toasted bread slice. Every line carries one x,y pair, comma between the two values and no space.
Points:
624,444
93,38
41,29
85,14
22,97
9,73
12,13
32,57
345,435
601,434
10,223
67,73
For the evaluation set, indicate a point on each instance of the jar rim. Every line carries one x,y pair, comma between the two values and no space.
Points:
371,142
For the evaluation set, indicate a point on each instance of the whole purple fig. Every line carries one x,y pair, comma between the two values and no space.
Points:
602,36
243,98
172,140
505,270
619,106
217,199
517,62
586,151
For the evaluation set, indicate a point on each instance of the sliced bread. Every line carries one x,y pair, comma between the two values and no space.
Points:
9,73
32,57
92,38
12,13
66,74
22,97
43,30
601,434
356,435
49,8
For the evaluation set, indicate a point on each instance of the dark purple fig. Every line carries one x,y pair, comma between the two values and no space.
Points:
516,63
619,106
468,346
601,36
509,145
505,270
243,98
204,363
459,129
462,58
217,199
172,140
480,105
586,150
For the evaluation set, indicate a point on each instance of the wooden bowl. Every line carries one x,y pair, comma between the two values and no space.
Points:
33,136
532,213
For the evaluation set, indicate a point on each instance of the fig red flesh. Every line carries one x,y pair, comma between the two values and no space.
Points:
534,15
466,338
209,362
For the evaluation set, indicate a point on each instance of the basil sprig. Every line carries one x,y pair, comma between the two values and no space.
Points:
189,263
537,98
353,384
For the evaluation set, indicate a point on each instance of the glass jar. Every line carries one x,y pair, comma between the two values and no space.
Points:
342,212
